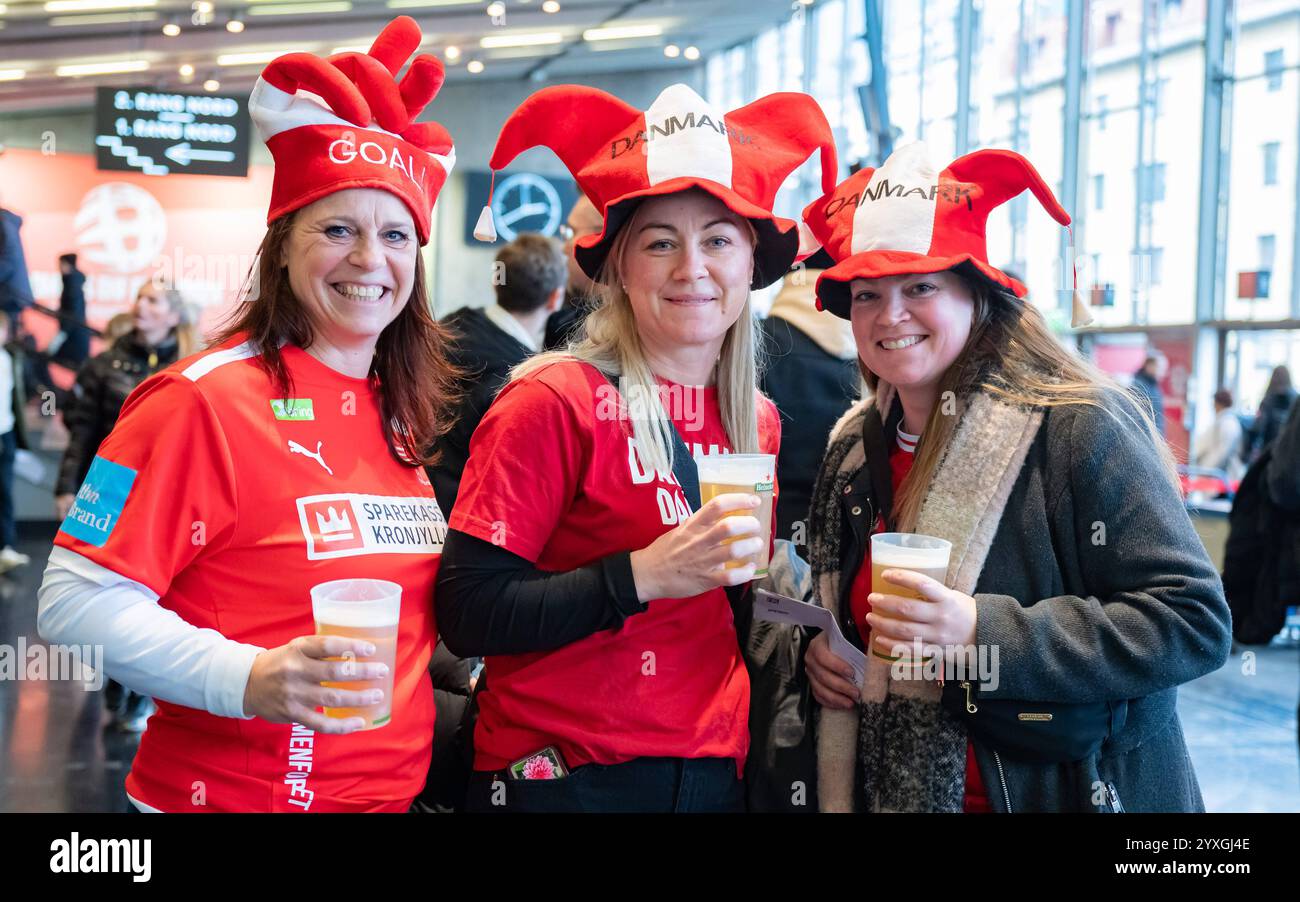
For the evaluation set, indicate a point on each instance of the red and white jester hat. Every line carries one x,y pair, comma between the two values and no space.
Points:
347,122
906,218
619,155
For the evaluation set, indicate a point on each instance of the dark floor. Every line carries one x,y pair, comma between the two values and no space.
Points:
55,754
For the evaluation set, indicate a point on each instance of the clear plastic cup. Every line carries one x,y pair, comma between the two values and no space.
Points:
748,474
362,609
926,555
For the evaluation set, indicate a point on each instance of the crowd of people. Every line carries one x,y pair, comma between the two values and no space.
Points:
577,627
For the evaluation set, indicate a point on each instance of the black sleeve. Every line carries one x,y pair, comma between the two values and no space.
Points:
83,418
490,601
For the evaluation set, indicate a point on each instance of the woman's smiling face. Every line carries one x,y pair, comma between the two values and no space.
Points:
687,268
910,329
351,259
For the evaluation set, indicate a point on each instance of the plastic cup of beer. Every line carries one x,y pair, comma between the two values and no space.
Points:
747,474
366,609
926,555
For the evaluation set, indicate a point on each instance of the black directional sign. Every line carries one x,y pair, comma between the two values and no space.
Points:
166,132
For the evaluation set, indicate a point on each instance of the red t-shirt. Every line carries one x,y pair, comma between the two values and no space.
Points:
230,504
901,456
554,477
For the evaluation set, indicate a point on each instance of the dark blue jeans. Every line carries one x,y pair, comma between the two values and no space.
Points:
642,785
8,450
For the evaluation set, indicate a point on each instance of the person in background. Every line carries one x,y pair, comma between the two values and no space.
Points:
1218,446
160,335
1261,558
812,376
73,342
1279,398
490,341
118,326
15,288
581,295
1282,485
1146,384
12,437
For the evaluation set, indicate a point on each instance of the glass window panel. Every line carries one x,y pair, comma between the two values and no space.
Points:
1018,98
1267,249
1273,68
1260,186
1144,234
1271,150
767,52
792,62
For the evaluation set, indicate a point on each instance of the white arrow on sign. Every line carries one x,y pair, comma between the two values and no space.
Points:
183,154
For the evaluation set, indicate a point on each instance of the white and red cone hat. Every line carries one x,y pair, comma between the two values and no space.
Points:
906,217
347,122
619,155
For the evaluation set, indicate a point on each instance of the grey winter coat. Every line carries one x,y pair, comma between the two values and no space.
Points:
1095,587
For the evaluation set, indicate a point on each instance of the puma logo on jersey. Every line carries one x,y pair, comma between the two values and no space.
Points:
295,448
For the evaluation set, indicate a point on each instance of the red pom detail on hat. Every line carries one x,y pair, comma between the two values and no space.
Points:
619,155
347,122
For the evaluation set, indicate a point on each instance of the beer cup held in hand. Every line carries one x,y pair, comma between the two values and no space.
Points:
366,609
747,474
906,551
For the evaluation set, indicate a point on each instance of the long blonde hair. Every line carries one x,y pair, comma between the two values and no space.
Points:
611,343
186,330
1011,354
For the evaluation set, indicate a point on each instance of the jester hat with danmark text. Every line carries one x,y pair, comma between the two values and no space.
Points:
907,218
348,122
620,155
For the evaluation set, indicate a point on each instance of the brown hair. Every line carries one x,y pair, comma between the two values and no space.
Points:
1279,382
1011,354
415,382
531,268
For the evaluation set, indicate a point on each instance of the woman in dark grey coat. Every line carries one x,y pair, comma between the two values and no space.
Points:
1078,596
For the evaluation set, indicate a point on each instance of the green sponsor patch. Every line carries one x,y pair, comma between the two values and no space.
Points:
292,409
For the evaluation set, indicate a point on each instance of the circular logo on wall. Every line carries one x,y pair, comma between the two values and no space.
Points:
120,226
524,202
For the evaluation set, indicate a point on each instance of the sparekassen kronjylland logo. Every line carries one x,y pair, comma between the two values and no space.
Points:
345,524
64,663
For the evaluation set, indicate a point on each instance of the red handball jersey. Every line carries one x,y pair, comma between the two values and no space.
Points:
230,501
554,476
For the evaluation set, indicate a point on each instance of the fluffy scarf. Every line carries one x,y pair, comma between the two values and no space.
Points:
907,750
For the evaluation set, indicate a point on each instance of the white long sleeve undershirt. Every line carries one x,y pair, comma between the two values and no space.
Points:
146,647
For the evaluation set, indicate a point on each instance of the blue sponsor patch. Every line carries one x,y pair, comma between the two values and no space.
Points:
99,502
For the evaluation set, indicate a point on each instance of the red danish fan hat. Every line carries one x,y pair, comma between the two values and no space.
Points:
347,122
906,218
619,155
